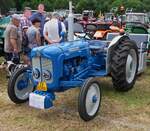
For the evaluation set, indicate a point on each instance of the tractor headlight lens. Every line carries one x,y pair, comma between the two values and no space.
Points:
36,73
47,75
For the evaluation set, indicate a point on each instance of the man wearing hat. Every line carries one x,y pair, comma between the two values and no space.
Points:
53,29
13,39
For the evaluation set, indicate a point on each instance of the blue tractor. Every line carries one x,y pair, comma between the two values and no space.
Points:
62,66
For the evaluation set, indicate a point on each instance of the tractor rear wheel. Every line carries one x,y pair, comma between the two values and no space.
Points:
124,65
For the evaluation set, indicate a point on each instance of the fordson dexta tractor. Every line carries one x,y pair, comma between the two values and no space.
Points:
62,66
59,67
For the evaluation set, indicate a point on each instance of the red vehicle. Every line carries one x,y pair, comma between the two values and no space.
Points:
103,28
87,17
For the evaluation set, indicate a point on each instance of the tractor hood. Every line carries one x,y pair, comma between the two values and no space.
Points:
55,50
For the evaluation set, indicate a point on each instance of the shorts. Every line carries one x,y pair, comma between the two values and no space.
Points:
27,52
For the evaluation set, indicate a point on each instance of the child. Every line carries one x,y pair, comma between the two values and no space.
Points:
33,36
25,43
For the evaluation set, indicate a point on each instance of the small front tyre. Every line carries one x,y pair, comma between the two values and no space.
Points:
20,85
89,99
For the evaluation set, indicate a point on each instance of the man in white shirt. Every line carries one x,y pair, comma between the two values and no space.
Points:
53,29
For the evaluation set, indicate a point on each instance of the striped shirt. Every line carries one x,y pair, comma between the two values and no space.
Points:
24,22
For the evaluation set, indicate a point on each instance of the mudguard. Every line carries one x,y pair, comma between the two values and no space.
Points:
115,41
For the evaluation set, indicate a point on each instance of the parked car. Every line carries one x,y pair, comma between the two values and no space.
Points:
3,23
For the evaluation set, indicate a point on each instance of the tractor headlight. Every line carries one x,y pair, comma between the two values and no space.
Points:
47,75
36,73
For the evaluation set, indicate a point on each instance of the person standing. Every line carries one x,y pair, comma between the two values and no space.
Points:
41,16
25,19
13,40
54,29
33,36
25,23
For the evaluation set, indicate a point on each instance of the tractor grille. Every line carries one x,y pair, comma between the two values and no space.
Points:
44,67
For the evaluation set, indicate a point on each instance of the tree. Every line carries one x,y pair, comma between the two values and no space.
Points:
5,5
61,4
137,5
86,5
80,5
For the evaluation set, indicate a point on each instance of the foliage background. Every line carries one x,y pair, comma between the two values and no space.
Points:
96,5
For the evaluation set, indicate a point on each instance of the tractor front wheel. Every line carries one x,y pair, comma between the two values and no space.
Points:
20,85
89,99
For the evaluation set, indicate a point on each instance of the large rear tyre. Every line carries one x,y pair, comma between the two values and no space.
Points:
89,99
124,65
20,85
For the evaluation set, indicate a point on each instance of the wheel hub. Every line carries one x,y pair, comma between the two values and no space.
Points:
92,99
131,66
22,84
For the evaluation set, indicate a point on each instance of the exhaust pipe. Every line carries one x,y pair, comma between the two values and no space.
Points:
70,23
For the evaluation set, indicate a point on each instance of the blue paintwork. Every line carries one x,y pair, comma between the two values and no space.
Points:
22,84
94,99
72,62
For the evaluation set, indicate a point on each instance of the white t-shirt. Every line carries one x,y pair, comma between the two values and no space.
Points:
52,28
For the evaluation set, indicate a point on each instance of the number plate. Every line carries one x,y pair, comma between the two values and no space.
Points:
42,86
36,101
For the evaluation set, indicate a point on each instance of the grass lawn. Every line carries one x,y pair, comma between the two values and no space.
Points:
128,111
